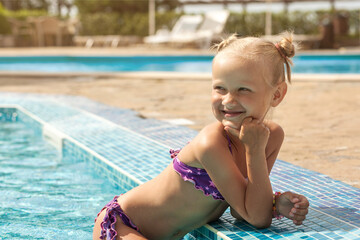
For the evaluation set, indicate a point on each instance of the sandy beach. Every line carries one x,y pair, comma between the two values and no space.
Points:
320,118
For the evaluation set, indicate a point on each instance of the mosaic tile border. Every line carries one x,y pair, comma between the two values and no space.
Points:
81,153
335,211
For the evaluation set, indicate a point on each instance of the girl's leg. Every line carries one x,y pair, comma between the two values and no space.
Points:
123,231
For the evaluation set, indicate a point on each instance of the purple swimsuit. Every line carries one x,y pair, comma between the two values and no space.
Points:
198,176
113,209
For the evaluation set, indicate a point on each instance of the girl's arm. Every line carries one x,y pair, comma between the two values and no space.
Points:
291,205
272,150
279,135
252,200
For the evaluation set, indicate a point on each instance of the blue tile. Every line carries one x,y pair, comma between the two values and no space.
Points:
129,141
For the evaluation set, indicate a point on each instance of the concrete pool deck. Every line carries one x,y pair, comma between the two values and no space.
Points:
115,142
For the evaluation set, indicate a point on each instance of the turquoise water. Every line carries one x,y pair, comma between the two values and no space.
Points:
43,196
303,63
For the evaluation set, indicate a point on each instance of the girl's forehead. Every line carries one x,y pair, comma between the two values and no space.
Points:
240,70
233,66
231,61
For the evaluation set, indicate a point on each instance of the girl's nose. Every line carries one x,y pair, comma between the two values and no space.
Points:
228,100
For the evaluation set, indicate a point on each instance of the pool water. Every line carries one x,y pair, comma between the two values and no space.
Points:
304,63
43,196
107,64
326,64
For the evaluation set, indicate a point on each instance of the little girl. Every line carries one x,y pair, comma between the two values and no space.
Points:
227,164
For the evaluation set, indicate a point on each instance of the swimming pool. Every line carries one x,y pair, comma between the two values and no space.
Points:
118,144
42,195
304,63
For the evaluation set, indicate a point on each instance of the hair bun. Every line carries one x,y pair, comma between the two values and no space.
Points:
225,42
287,46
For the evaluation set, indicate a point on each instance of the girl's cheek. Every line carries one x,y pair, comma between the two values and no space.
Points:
216,101
245,100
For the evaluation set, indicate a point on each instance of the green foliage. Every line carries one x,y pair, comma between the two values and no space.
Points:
95,6
246,24
253,24
23,14
103,18
354,23
134,23
130,17
5,27
122,6
307,23
100,24
166,19
123,24
123,17
300,22
16,5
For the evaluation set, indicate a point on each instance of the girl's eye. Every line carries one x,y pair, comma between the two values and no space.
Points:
219,88
244,90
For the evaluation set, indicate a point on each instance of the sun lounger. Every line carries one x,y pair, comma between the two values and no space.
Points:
186,26
211,28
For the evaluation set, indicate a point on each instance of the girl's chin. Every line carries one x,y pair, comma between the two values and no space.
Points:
231,124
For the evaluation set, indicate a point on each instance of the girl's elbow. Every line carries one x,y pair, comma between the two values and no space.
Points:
256,219
235,214
262,223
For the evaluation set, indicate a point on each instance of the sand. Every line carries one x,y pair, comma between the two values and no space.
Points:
321,119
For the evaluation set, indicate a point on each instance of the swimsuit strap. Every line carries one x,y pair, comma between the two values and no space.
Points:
229,142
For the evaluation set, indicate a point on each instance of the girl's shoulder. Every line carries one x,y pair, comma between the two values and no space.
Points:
211,133
211,137
276,137
276,131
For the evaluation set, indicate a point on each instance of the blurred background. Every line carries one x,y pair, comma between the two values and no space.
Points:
113,23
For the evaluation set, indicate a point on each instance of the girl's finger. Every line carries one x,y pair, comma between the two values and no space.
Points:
302,204
247,120
298,217
297,222
297,211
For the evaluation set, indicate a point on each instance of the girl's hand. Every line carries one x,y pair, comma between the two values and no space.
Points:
293,206
253,133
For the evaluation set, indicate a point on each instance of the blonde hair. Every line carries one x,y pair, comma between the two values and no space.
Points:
273,54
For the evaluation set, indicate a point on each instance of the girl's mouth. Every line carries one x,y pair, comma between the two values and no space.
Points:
231,114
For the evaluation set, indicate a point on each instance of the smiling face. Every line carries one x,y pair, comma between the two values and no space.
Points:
239,90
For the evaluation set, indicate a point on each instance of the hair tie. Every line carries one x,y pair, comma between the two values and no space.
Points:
281,52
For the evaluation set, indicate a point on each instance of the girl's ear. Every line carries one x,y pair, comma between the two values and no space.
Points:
279,94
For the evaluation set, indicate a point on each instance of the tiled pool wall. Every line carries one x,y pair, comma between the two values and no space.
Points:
119,147
71,149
